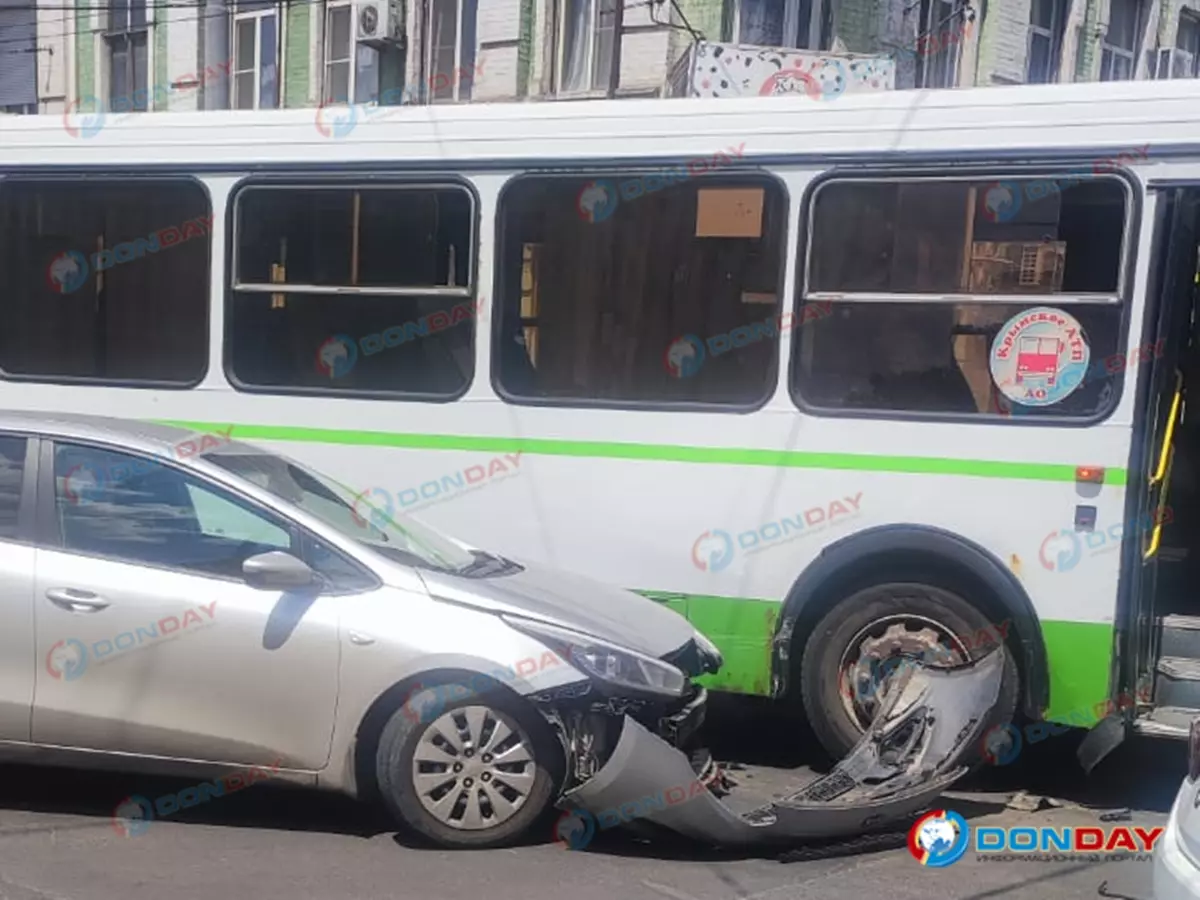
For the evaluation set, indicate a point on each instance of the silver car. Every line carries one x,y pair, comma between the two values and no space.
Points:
188,604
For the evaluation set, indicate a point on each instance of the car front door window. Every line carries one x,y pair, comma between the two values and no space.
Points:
136,509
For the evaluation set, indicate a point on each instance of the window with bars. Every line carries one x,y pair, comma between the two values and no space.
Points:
451,49
1119,47
587,44
351,69
126,36
256,56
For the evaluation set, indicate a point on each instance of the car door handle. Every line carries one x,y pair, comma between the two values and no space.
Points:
76,601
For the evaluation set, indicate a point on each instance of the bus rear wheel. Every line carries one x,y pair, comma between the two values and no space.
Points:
866,636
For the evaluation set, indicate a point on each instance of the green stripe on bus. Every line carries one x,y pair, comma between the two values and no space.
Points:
733,456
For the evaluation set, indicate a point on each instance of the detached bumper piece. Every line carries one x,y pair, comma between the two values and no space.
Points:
930,719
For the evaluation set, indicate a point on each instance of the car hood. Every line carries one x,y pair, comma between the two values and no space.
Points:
548,595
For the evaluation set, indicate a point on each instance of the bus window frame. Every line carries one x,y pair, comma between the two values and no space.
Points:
382,177
1135,196
614,173
82,176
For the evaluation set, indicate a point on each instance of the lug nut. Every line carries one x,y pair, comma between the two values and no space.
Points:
487,757
458,767
486,776
467,782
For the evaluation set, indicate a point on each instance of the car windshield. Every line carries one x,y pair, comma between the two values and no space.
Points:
353,515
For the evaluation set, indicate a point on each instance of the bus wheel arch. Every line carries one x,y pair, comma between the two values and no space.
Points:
967,586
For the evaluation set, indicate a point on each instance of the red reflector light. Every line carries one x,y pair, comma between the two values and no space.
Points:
1092,474
1194,750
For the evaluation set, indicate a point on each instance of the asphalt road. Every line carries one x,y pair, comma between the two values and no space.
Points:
58,841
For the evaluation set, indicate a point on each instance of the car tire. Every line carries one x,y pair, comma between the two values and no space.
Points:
883,608
420,739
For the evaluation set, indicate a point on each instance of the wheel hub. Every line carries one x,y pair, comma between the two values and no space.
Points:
880,652
473,768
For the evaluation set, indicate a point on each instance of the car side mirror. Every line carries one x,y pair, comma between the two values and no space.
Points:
277,571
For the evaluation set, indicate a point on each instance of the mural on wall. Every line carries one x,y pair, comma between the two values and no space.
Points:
729,70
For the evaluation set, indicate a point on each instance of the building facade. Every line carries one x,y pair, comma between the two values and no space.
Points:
133,55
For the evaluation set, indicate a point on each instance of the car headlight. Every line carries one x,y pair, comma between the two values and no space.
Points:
616,665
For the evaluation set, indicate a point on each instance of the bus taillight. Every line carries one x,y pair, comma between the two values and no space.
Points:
1091,474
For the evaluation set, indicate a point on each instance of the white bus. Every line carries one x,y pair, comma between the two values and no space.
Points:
755,359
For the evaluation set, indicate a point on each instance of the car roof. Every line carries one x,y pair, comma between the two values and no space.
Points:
136,435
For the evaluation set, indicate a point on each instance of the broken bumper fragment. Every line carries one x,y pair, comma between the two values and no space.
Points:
929,721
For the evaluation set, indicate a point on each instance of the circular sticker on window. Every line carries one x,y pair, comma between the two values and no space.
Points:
1039,357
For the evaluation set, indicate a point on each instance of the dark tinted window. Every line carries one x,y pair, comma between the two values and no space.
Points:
354,237
402,319
104,280
649,286
1016,236
135,509
935,357
957,242
12,470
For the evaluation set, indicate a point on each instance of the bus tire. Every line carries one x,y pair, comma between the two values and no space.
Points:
864,616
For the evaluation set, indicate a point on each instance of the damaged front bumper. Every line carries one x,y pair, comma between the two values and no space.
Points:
929,720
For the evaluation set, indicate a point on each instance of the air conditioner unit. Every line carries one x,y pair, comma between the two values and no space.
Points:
379,22
1172,62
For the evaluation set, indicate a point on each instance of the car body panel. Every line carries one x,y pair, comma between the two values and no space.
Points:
17,652
572,602
185,665
1177,855
395,637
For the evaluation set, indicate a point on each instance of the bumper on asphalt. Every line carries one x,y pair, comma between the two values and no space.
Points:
929,719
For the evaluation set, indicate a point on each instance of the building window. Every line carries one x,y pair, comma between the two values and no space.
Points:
587,44
20,109
922,275
351,69
255,56
1046,22
778,23
126,37
1187,47
105,280
1119,48
451,43
937,56
615,298
353,288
